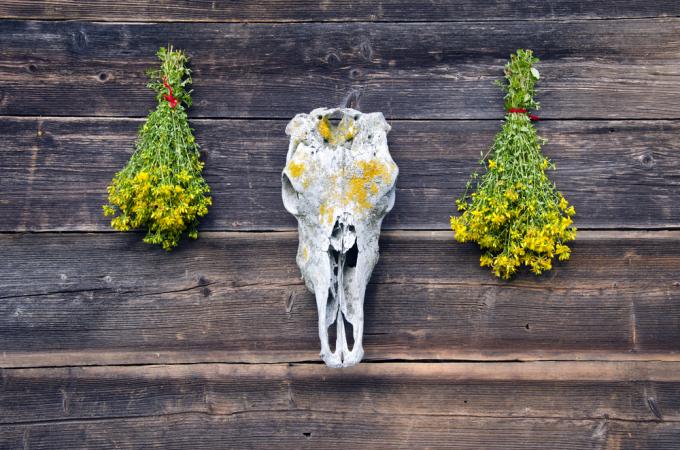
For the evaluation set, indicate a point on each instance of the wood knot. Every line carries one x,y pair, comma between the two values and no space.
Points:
332,59
354,74
289,302
78,41
366,51
647,161
653,407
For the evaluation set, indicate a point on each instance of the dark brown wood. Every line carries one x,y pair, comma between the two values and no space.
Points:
55,171
109,298
339,10
586,356
591,69
565,404
330,429
632,391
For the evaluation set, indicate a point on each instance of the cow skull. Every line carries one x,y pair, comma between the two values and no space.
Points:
339,183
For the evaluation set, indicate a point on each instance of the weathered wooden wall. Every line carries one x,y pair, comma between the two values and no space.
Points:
106,342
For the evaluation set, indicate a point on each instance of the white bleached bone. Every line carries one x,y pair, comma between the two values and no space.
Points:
339,182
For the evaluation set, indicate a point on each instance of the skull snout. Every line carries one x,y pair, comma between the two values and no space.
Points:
347,349
343,309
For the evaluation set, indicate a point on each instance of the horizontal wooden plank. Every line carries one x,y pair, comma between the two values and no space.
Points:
591,69
329,429
618,174
339,10
602,392
109,298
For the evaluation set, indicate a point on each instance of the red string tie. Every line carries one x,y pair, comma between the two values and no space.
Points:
172,100
524,111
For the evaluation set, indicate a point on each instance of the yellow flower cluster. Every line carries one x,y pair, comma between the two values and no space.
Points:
516,227
161,187
516,214
167,204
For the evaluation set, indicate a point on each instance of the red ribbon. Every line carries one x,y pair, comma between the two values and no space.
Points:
172,100
524,111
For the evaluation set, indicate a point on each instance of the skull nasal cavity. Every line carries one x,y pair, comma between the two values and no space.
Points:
351,256
333,333
349,334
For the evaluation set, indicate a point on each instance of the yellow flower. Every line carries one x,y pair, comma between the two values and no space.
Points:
564,204
142,177
497,219
511,195
563,252
486,260
108,210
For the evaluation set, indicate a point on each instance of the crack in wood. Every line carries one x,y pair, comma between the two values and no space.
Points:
600,429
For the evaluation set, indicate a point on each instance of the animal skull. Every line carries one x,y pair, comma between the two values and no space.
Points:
339,183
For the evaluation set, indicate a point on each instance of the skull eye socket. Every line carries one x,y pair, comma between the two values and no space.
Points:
290,195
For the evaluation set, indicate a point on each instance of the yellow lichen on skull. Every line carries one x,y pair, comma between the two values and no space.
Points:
326,213
325,129
344,132
360,185
296,169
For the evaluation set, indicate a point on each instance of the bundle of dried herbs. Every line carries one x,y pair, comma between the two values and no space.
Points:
516,214
161,188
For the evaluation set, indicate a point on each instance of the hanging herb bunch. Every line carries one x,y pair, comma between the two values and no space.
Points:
516,215
161,188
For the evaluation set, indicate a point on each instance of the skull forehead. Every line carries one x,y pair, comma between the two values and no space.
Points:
343,168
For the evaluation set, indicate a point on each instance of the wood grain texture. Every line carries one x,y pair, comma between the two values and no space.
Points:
55,171
109,298
518,405
338,10
633,391
338,430
615,69
106,342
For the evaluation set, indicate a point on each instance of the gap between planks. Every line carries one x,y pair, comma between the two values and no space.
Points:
124,21
486,371
583,233
52,359
208,119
